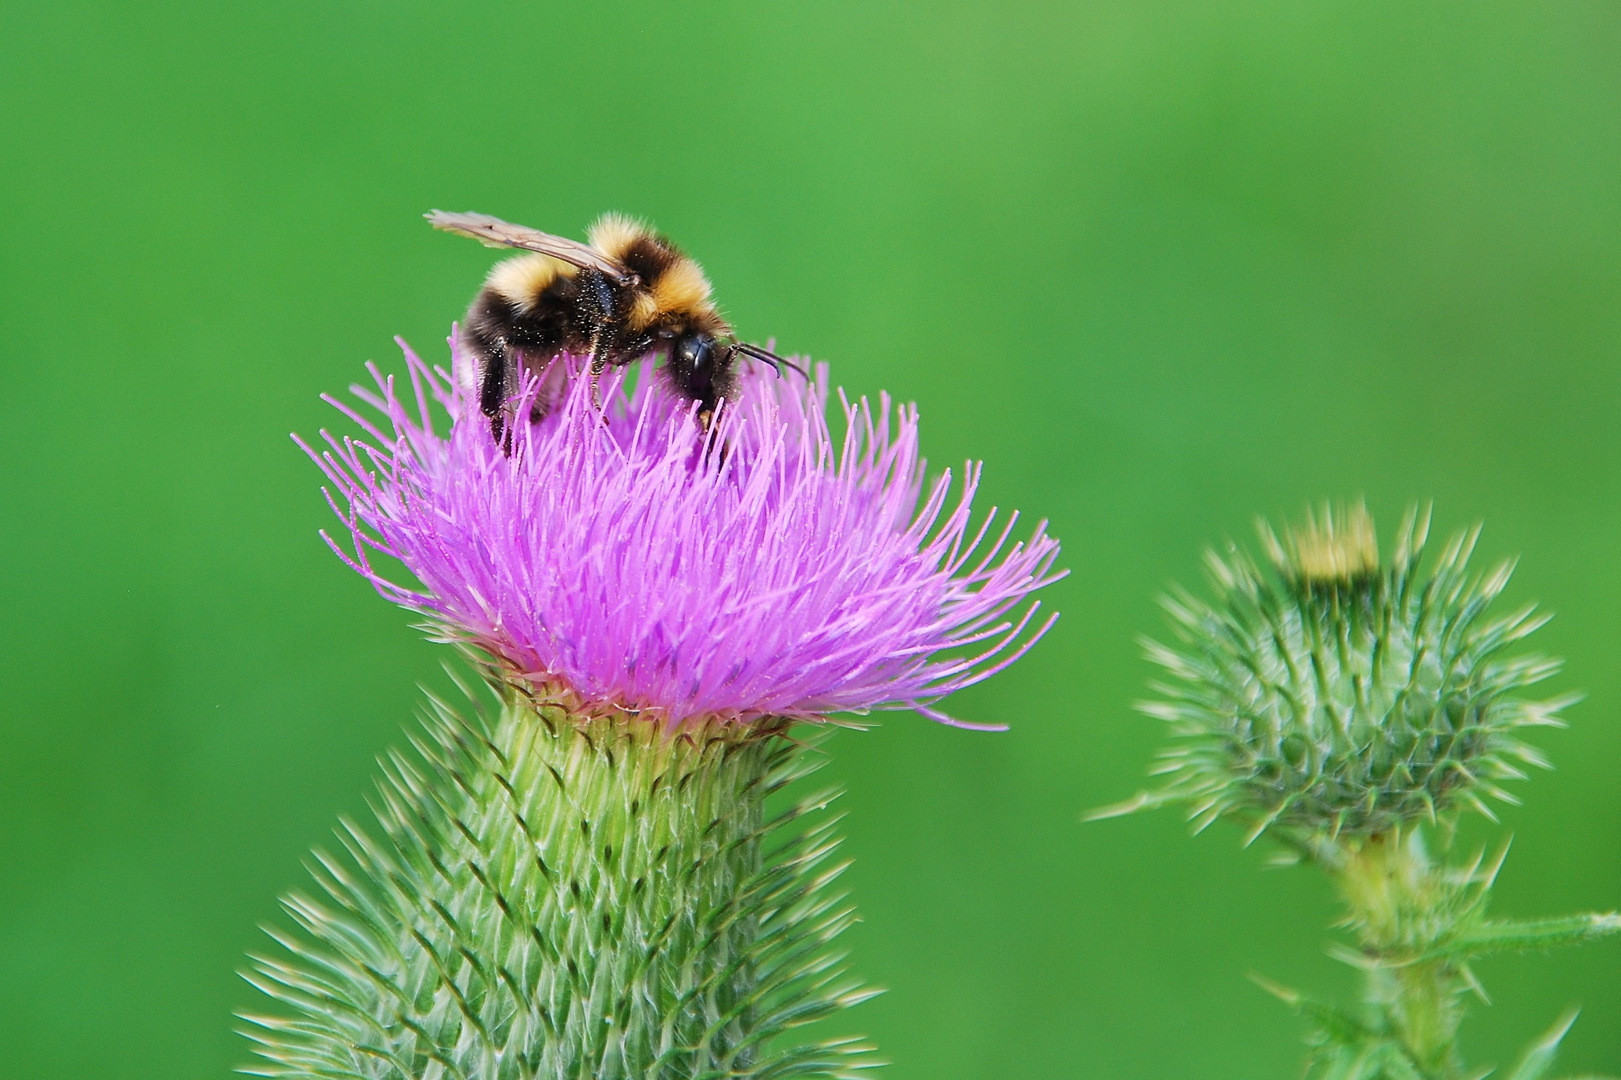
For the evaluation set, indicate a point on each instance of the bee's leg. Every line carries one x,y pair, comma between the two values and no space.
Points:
492,387
491,360
598,299
499,386
599,364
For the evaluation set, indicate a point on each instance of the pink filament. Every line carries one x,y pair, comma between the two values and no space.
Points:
763,569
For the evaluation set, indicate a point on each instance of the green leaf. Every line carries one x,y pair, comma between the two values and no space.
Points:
1539,1058
1333,1023
1520,935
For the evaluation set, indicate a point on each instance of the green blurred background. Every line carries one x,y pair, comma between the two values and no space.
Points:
1164,266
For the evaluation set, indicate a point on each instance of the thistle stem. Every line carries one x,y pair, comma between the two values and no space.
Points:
1402,906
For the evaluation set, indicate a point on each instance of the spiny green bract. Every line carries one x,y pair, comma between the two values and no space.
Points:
1328,697
557,897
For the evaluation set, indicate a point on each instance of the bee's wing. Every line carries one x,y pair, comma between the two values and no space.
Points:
493,232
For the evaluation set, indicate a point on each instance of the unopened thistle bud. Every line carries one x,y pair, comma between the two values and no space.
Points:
586,881
1340,705
1328,697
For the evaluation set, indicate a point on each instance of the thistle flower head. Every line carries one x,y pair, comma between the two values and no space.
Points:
1333,697
617,556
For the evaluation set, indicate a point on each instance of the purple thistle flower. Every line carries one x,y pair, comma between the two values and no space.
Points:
621,557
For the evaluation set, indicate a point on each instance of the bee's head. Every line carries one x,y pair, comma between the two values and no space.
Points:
703,363
695,359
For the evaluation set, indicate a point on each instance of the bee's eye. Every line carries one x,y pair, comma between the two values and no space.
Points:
697,355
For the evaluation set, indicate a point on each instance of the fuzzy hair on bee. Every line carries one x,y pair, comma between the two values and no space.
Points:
626,294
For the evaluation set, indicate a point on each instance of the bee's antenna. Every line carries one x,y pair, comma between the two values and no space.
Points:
769,357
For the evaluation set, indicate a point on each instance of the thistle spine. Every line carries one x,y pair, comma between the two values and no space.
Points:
559,896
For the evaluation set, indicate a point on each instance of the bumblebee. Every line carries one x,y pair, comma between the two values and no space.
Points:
628,294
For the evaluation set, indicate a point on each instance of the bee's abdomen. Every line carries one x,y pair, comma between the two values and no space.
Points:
541,314
521,319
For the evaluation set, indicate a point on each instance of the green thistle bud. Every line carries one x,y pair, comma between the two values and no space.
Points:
1341,705
1329,697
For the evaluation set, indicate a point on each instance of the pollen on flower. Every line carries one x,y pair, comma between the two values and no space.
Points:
625,559
1332,549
